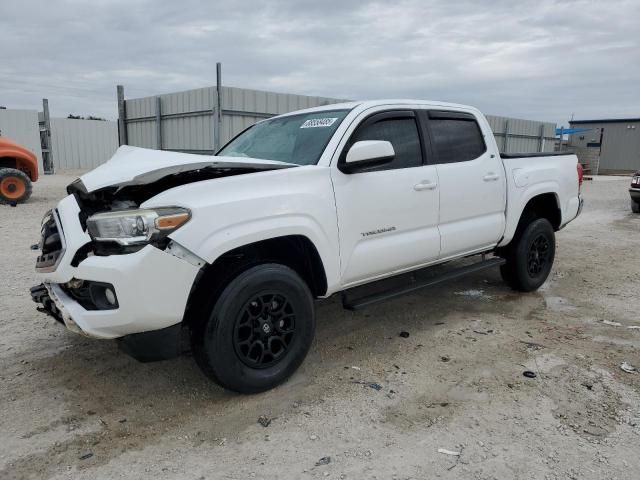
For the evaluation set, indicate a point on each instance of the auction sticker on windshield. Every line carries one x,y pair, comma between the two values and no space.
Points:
318,122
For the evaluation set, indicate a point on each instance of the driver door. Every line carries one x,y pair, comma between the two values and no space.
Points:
387,215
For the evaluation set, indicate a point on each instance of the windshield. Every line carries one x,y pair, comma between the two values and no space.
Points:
298,139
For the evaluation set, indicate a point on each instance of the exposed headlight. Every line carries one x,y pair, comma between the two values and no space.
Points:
134,227
47,217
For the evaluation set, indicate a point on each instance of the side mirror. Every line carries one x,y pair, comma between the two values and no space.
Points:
366,154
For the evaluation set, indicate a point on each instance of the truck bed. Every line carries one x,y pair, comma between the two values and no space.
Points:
537,154
528,175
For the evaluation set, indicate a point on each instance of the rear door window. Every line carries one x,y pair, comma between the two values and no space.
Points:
455,137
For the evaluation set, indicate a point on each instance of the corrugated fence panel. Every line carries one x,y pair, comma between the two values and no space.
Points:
188,122
497,124
82,144
142,134
22,127
514,135
193,133
141,107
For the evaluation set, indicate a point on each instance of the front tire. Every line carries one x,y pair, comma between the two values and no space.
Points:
259,331
635,206
530,256
15,186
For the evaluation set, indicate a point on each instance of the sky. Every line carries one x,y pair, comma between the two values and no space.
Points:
543,60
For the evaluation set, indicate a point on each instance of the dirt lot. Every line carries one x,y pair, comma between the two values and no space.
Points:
78,408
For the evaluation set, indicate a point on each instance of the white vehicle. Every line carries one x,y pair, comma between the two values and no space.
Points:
233,249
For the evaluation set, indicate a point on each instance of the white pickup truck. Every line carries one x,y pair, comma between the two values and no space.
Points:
230,251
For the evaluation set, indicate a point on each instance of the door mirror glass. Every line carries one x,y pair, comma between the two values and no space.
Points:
368,153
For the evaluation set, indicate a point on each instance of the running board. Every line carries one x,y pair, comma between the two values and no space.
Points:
367,300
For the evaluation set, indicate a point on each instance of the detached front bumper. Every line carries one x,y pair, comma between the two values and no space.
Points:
151,286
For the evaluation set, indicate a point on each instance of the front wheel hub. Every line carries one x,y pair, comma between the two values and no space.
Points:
264,330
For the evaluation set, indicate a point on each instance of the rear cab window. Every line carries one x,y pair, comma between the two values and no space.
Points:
455,136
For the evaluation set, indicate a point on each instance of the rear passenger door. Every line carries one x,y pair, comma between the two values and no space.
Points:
472,182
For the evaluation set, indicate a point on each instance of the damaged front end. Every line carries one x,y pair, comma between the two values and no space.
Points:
108,265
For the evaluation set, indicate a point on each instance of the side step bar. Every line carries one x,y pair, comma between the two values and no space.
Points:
367,300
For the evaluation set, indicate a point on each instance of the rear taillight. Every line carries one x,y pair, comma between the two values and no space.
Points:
580,174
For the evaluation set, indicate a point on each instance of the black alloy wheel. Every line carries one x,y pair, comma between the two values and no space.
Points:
264,330
538,255
259,330
529,255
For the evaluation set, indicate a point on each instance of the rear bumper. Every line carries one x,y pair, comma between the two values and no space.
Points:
576,205
635,194
152,286
581,206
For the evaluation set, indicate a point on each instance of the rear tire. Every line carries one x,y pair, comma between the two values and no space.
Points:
530,256
635,206
15,186
259,330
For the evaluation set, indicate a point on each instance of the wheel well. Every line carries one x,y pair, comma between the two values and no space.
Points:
19,164
295,251
8,162
543,206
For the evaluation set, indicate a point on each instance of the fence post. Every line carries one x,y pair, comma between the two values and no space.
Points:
541,144
561,137
158,124
45,140
506,136
122,117
217,133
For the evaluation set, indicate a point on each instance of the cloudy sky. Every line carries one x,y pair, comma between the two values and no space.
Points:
538,59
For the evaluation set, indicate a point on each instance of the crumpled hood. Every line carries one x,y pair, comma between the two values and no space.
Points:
139,166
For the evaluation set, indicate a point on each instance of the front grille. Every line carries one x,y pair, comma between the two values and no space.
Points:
51,243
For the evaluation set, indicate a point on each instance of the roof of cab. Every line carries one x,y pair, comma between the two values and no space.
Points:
364,104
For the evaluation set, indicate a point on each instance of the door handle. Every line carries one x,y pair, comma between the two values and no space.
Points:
490,177
425,185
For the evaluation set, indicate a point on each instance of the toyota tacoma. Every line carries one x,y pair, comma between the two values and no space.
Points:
226,254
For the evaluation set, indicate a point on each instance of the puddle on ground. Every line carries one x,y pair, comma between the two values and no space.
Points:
474,293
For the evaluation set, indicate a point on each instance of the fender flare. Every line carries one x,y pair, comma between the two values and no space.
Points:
222,241
27,163
533,191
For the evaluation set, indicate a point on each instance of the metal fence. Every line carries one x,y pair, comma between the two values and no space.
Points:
514,135
82,144
72,144
191,121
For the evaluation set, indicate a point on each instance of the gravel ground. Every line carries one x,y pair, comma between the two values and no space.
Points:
78,408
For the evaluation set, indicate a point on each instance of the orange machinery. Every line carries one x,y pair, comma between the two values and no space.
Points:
18,168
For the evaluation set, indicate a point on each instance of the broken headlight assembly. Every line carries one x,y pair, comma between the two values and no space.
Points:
136,227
